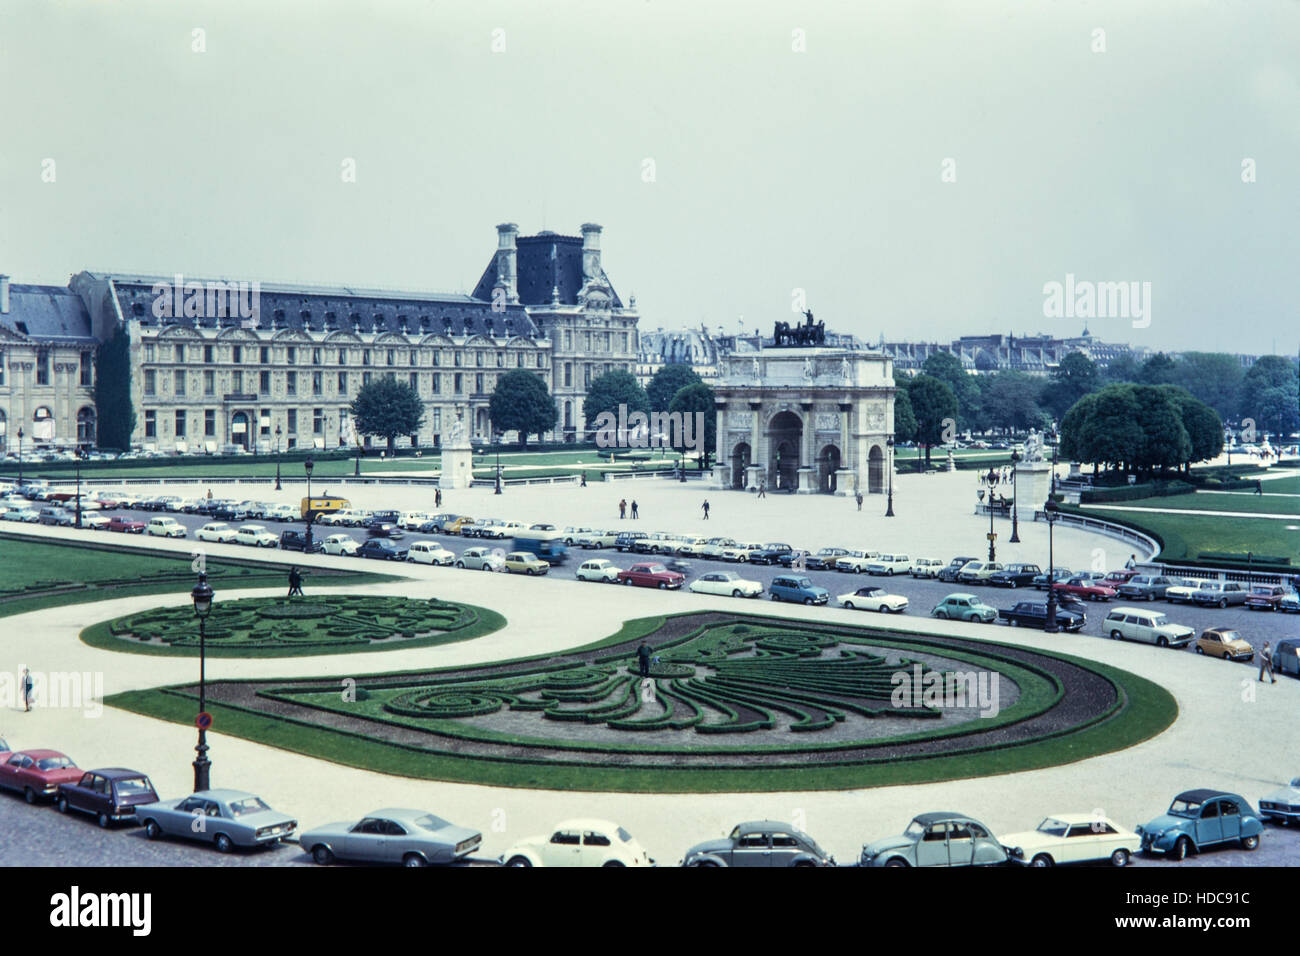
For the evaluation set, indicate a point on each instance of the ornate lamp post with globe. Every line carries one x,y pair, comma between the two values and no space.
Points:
1050,513
202,597
889,502
308,465
277,457
991,479
1015,515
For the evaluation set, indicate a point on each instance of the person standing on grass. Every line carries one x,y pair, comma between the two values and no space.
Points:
1259,487
622,509
1266,664
635,513
643,658
705,506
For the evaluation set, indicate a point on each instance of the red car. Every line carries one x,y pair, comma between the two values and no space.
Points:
1265,597
128,525
1085,588
1114,579
108,504
37,773
651,575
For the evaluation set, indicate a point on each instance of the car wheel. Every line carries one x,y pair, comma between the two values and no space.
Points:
460,564
1250,842
663,585
487,567
807,600
775,597
103,821
1119,858
883,609
1115,635
29,794
152,830
1181,848
519,861
627,581
889,573
223,843
1162,642
413,859
735,592
1201,650
896,862
849,605
608,863
1222,603
1042,860
322,855
941,615
705,863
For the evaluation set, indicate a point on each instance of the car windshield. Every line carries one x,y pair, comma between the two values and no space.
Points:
623,835
866,592
430,822
134,786
1185,808
1052,827
1158,620
1227,636
915,829
55,763
247,805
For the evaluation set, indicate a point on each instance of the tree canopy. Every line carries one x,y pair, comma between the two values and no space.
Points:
688,401
521,402
935,407
1141,428
614,388
386,408
667,382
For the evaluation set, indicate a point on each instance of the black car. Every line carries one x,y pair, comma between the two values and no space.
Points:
1015,576
772,554
229,511
385,529
384,517
297,541
822,559
949,574
625,539
1034,614
381,549
108,795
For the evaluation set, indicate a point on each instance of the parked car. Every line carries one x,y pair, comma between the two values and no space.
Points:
855,561
978,572
28,515
256,536
1151,627
297,541
1114,579
1265,597
1088,588
217,531
1034,614
740,551
926,567
948,574
385,529
1072,838
1286,657
94,521
651,575
109,795
37,773
396,836
1056,575
55,515
759,843
411,520
166,528
872,598
796,588
597,539
771,553
288,513
890,564
626,539
579,843
1283,805
125,524
597,569
1015,576
1221,594
726,583
823,559
522,562
571,535
1145,587
430,552
1184,592
456,524
937,839
656,542
964,607
1224,642
381,549
1200,818
224,818
481,559
229,511
1290,603
341,544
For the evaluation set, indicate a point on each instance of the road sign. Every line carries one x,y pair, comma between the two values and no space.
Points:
203,721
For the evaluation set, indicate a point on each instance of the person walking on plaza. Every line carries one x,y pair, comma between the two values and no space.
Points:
1266,664
295,582
705,506
762,488
635,513
1259,487
622,509
583,483
643,658
27,690
437,497
859,497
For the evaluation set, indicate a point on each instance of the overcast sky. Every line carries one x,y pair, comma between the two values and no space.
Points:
773,169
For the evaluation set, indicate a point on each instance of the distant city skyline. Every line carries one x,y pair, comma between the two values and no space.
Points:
920,171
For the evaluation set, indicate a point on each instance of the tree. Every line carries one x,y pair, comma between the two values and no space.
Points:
387,408
1203,424
667,382
1010,400
114,413
1122,368
689,401
1214,378
948,368
1165,443
521,402
1075,377
1268,395
1159,369
607,392
904,417
935,408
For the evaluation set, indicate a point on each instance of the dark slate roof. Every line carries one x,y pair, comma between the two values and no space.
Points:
47,312
320,309
544,262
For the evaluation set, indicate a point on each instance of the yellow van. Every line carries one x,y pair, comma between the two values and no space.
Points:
324,506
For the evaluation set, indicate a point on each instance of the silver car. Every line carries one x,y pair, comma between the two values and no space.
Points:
224,818
394,835
760,843
937,839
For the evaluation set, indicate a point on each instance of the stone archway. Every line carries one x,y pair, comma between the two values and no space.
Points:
785,437
741,456
239,429
828,463
876,471
85,427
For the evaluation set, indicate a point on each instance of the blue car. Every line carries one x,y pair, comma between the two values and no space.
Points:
793,587
1200,818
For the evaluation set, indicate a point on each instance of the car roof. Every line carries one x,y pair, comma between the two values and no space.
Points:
1073,818
768,826
938,816
117,773
225,795
1201,795
401,813
42,754
586,823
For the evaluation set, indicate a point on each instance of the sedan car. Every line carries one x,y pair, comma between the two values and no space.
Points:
341,544
298,541
1015,576
937,839
37,773
579,843
109,795
978,572
523,562
31,515
890,564
1265,597
1184,591
408,837
964,607
1034,614
596,539
651,575
739,551
597,569
926,567
217,531
1072,838
1282,806
224,818
381,549
256,536
1145,587
949,573
1224,642
481,559
124,524
1200,818
1087,588
823,559
759,843
94,521
855,562
1221,594
286,513
874,599
726,583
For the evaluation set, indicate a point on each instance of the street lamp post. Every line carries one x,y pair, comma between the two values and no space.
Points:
1015,513
277,457
498,491
889,502
202,596
356,473
78,487
1050,512
308,465
20,455
992,479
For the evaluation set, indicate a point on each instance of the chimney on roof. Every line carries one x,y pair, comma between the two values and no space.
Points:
507,256
4,295
590,251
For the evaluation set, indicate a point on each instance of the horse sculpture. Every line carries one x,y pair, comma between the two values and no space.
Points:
784,335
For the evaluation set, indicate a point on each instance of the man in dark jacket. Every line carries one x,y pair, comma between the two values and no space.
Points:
643,657
295,581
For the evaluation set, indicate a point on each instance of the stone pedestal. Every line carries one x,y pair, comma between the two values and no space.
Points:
457,467
807,482
721,477
1033,485
754,476
844,481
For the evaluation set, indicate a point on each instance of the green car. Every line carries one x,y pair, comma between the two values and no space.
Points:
964,607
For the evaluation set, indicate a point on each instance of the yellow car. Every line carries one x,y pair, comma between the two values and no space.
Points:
521,562
457,525
1223,642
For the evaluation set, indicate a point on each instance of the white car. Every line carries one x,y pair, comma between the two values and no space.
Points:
25,515
726,583
570,535
740,551
256,536
411,520
341,544
1072,838
691,545
713,547
166,528
283,513
346,517
597,539
598,569
871,598
890,564
579,843
429,552
856,561
1150,627
217,531
927,567
94,521
481,559
1185,592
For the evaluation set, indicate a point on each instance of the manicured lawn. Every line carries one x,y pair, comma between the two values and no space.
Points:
1185,537
1220,501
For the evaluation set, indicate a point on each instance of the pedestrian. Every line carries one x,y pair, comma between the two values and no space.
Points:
706,509
27,690
437,497
1266,664
643,657
859,497
635,514
295,582
209,494
762,488
1259,487
1131,563
583,483
622,509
